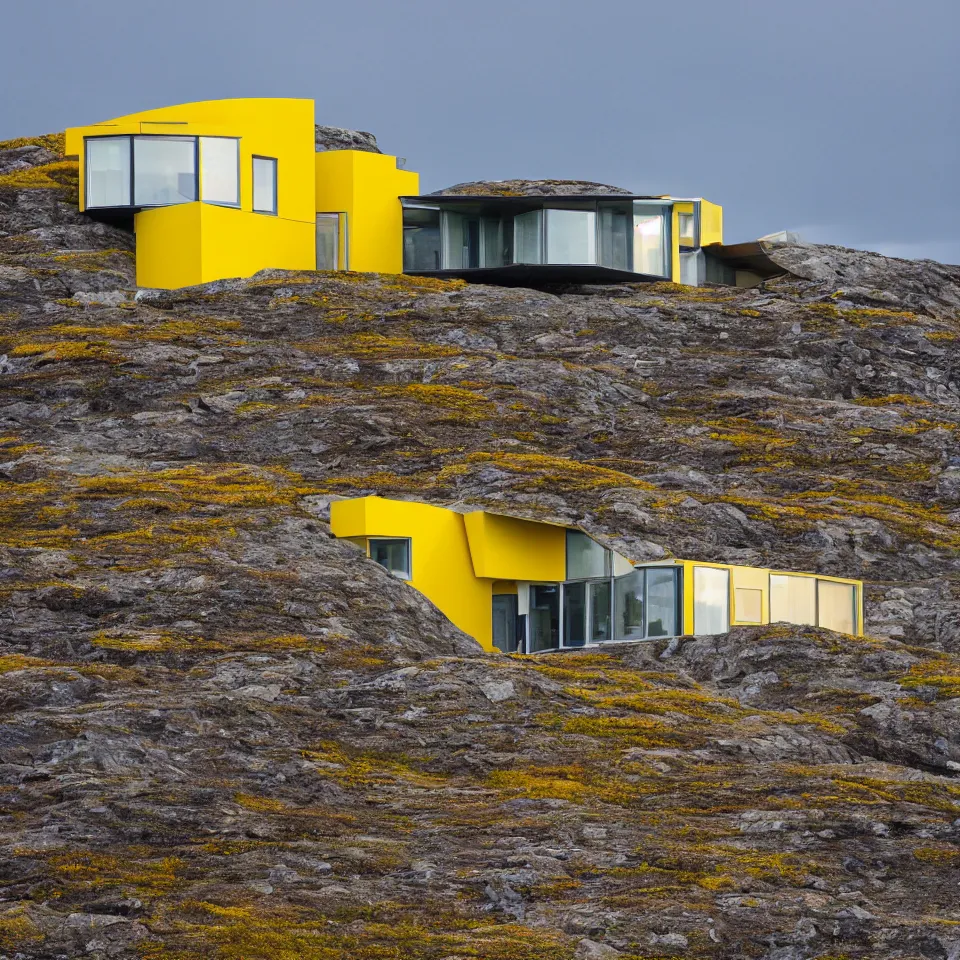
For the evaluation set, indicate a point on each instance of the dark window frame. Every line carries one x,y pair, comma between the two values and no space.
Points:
253,185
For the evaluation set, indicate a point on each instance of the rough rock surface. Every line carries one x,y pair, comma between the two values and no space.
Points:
224,734
339,138
531,188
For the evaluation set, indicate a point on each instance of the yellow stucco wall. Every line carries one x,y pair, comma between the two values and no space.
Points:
189,243
711,223
440,556
208,241
508,548
367,187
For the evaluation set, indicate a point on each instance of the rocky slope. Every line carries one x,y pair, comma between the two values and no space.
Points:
224,734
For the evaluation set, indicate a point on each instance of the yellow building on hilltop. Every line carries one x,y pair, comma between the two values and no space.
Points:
526,586
224,188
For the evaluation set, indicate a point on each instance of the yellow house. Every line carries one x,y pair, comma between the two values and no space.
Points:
224,188
519,585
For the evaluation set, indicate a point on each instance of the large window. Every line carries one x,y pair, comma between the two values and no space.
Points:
544,617
156,171
793,599
837,606
650,247
461,240
616,222
421,239
711,600
628,606
585,557
571,236
645,603
164,170
264,185
528,237
394,554
328,241
108,172
220,170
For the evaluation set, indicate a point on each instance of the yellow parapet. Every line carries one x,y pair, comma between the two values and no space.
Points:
366,187
711,223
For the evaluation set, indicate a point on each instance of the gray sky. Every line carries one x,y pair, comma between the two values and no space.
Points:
837,118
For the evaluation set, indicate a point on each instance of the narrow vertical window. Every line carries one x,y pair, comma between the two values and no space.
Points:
328,241
264,185
220,170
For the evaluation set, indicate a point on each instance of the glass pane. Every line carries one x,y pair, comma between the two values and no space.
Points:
711,600
836,605
264,185
220,170
492,242
392,554
544,618
328,241
628,606
505,622
421,239
527,237
748,604
615,224
164,170
571,236
585,557
108,172
453,240
793,599
685,224
599,612
661,603
649,247
574,614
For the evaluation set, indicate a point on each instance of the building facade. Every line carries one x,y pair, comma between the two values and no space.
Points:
524,586
224,188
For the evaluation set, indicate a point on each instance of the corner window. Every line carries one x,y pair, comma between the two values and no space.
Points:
393,554
645,603
711,600
108,171
220,170
421,238
265,185
165,170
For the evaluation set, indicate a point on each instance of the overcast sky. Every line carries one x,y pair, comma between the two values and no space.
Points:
837,118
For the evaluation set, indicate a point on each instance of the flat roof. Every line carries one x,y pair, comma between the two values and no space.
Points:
431,200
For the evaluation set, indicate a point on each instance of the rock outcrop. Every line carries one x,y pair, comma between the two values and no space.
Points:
224,734
339,138
531,188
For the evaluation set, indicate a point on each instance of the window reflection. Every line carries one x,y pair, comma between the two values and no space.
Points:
165,170
108,172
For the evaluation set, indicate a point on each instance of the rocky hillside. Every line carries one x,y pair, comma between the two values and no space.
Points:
225,735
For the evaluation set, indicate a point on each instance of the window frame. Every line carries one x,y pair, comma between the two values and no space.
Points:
87,171
217,203
253,185
181,138
409,555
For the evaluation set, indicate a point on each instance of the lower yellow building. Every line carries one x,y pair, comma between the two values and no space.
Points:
519,585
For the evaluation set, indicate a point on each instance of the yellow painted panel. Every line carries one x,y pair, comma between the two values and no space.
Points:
711,223
754,580
675,245
236,243
439,553
505,587
168,246
367,187
508,548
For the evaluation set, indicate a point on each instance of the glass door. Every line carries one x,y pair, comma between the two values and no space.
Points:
505,622
328,241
